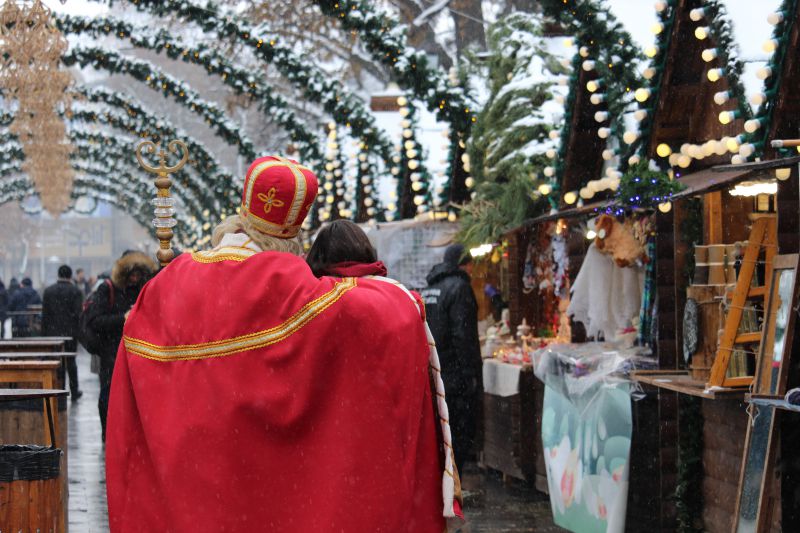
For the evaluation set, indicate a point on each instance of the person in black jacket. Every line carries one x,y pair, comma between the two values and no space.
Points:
106,312
61,314
19,302
3,309
452,313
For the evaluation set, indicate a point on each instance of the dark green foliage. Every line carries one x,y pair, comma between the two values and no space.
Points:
641,187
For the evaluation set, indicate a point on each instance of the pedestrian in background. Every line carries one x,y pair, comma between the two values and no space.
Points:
452,312
105,315
3,308
82,283
22,298
61,313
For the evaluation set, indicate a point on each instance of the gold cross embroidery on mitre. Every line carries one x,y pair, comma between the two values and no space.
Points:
270,200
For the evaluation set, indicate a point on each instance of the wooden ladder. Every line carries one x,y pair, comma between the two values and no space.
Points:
762,235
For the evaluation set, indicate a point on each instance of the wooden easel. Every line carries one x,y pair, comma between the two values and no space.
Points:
762,235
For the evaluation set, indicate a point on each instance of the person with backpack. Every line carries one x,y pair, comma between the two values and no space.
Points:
104,316
61,313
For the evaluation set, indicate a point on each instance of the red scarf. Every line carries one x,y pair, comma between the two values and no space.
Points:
353,269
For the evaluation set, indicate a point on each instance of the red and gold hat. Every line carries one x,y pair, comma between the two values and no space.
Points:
278,194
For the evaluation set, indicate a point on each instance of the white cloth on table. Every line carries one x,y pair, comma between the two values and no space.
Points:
500,379
605,297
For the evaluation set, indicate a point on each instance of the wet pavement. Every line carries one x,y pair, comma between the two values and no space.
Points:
88,512
491,506
495,506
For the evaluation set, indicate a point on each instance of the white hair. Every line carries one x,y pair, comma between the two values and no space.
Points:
237,224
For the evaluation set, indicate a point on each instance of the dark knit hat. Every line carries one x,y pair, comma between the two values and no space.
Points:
455,255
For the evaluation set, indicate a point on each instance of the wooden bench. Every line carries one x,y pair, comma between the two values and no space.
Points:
41,372
34,344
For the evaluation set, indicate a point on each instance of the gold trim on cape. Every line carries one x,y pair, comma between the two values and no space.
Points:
251,341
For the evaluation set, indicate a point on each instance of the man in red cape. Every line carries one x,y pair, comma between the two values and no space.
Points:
249,395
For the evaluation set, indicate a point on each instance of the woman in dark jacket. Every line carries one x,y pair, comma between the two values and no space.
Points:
105,314
452,313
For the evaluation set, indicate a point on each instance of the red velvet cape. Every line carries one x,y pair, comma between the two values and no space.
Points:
249,395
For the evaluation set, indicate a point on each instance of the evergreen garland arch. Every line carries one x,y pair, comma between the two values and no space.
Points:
155,78
241,81
344,107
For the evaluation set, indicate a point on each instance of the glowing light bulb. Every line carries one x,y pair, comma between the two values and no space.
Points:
783,173
663,150
732,145
665,207
630,137
775,18
721,146
726,117
684,161
640,114
657,28
469,182
642,94
649,73
586,193
634,160
592,85
603,133
608,155
651,51
758,98
721,97
737,160
714,74
554,134
697,14
584,51
746,150
419,200
701,32
673,159
570,198
588,65
545,189
601,116
770,46
764,72
551,154
709,54
752,125
549,172
416,186
402,101
597,98
660,5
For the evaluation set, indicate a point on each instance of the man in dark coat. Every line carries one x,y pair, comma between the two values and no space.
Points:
61,314
106,310
19,302
452,313
3,308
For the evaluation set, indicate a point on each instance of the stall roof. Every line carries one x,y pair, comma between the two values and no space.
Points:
704,181
569,213
723,176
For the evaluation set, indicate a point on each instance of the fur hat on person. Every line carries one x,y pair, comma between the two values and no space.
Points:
130,261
